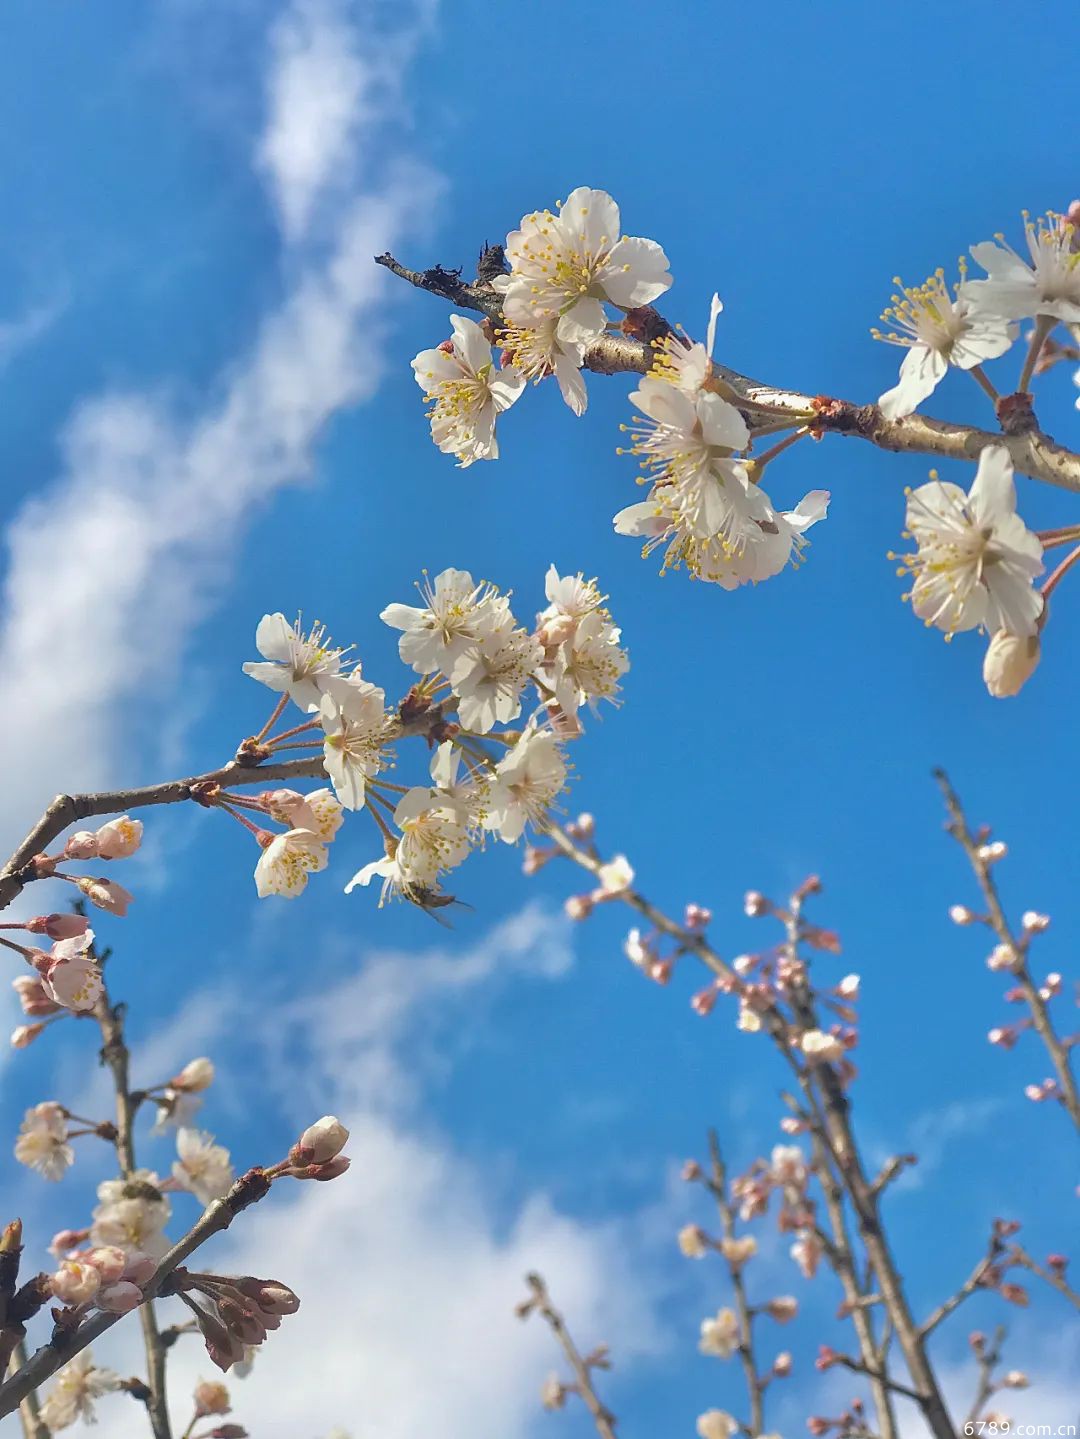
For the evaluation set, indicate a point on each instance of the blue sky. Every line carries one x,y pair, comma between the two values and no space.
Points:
209,413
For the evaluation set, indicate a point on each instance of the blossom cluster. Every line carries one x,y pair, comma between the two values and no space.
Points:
474,659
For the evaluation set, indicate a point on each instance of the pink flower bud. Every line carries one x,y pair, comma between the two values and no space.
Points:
321,1141
106,894
140,1268
696,916
818,1425
119,1298
1014,1379
1015,1294
991,853
74,983
578,906
1034,922
691,1171
119,838
81,845
1057,1262
782,1309
782,1365
1004,957
704,1001
960,914
109,1261
826,1357
755,904
332,1169
196,1075
269,1294
59,926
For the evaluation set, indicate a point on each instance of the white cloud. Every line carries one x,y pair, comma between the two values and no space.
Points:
110,568
407,1270
19,334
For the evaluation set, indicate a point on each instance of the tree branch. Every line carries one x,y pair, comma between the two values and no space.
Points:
1033,453
541,1302
1040,1014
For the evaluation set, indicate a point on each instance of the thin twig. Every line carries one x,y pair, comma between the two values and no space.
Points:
541,1303
754,1385
982,867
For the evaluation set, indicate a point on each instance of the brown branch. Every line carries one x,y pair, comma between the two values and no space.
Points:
973,1282
829,1107
987,1357
754,1385
44,1363
1033,453
541,1303
1017,1255
1040,1014
114,1053
68,809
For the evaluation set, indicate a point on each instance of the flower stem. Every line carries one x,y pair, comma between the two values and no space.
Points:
1059,574
275,715
978,374
1043,325
288,733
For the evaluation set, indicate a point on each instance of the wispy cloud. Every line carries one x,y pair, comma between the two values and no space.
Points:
408,1268
26,329
137,533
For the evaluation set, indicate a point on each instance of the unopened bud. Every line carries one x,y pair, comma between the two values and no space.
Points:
755,904
119,838
59,926
960,914
782,1365
81,845
196,1075
320,1142
24,1035
270,1295
1034,922
119,1298
211,1397
578,906
991,853
106,894
1010,662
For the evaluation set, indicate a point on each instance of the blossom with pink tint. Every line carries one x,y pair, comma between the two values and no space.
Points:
119,838
791,1125
826,1357
782,1364
755,904
1004,1036
705,1000
1050,987
196,1075
991,853
578,906
140,1268
119,1298
75,1282
806,1252
717,1424
782,1309
211,1397
616,877
1034,922
65,1240
321,1141
960,914
42,1143
1038,1093
696,916
110,1261
58,926
82,844
203,1167
69,976
106,894
787,1166
1004,956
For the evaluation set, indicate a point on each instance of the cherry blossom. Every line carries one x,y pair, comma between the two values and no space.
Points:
1010,662
716,1424
132,1215
938,331
720,1336
354,726
286,861
433,836
467,392
1018,289
490,676
78,1385
537,351
203,1167
297,664
565,266
42,1143
457,613
525,784
976,559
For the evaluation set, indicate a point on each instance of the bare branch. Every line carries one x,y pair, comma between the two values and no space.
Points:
1033,453
540,1302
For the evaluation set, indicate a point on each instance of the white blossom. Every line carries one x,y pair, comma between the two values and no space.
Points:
456,614
285,863
132,1215
203,1167
467,392
1017,289
589,664
716,1424
434,837
42,1143
720,1336
525,784
976,560
938,331
565,266
78,1385
354,728
296,664
537,351
489,676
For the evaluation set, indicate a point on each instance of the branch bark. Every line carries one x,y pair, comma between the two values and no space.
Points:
1033,453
